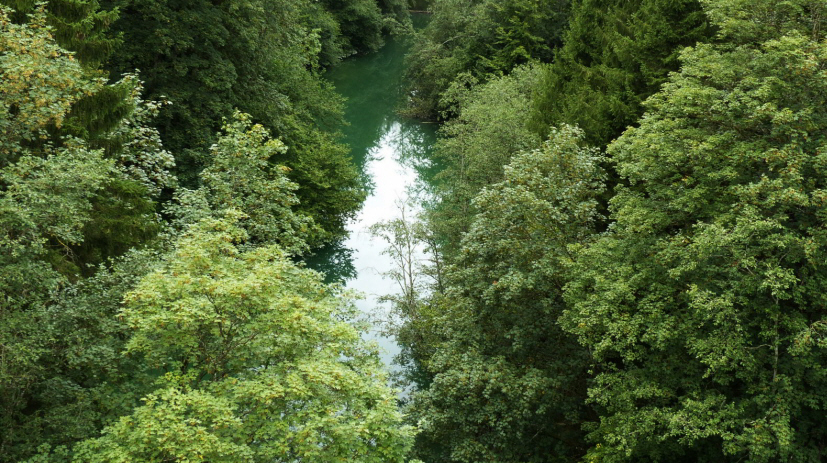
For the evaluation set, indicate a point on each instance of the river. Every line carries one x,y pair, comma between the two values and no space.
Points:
393,155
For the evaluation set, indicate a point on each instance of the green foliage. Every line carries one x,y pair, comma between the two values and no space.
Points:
66,203
262,58
242,177
703,304
79,379
360,22
615,54
79,26
508,384
259,363
329,191
481,39
279,372
490,127
46,95
44,205
40,83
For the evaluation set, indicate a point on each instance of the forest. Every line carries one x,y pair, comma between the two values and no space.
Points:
622,248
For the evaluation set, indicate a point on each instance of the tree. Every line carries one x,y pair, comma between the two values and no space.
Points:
242,175
507,383
79,26
257,361
66,205
703,304
614,55
259,57
491,126
483,39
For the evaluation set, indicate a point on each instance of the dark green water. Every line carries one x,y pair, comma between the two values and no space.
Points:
374,88
392,153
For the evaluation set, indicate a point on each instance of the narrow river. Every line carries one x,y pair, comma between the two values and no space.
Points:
393,155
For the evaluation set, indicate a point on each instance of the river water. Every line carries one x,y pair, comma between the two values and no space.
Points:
392,153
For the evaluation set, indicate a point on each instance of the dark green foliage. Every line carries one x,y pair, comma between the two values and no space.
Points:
703,305
360,23
508,384
616,54
79,380
259,57
64,205
329,186
481,39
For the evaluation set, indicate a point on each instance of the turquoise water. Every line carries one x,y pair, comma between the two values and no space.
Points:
392,153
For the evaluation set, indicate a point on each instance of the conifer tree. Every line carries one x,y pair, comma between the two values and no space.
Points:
615,54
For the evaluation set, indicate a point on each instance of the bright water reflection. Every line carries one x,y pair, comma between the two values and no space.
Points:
393,156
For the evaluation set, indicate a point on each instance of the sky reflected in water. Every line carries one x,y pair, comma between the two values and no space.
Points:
393,155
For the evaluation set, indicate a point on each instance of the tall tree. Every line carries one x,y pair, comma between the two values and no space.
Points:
260,57
491,126
615,54
67,204
242,175
480,38
258,362
507,383
704,304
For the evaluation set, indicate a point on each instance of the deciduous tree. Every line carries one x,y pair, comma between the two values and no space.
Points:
703,305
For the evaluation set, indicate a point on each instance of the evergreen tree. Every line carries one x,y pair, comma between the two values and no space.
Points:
615,54
480,38
80,26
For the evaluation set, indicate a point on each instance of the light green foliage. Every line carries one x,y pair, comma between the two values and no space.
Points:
136,145
242,176
615,54
508,384
79,26
481,39
259,362
40,82
703,304
490,127
417,269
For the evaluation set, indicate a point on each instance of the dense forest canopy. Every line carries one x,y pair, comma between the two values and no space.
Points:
163,167
626,242
630,233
